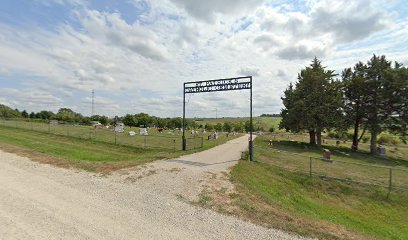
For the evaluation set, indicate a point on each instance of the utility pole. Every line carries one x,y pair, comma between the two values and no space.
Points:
93,103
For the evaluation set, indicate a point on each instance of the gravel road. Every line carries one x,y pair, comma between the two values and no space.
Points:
38,201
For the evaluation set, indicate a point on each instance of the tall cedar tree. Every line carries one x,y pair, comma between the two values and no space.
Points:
400,100
314,104
386,101
355,98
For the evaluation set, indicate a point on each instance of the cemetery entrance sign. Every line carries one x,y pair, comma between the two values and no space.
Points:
226,84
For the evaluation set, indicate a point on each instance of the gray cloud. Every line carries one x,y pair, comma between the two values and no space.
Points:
281,73
300,52
248,71
206,10
267,41
348,21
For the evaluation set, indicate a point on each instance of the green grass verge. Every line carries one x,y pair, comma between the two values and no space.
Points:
317,207
76,152
93,155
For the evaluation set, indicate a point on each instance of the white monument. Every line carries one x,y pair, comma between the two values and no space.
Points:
143,131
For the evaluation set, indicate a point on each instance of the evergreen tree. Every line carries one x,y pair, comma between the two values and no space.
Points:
24,114
355,92
314,104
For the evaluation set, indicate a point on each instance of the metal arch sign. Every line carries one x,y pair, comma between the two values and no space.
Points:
218,85
226,84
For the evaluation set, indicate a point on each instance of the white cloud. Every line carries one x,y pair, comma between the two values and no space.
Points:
140,66
115,31
35,100
349,21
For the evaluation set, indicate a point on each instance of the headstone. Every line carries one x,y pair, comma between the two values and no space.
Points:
54,122
131,133
119,127
326,154
337,143
381,151
143,131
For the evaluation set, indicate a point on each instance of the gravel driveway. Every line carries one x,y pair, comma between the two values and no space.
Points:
39,201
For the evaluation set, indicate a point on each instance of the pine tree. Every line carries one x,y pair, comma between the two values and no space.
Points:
314,104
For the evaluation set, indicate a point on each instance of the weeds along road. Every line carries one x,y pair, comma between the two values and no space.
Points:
153,201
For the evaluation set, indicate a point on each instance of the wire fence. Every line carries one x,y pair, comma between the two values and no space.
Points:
158,140
327,139
382,176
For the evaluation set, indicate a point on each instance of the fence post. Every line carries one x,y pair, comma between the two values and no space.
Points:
115,134
310,166
174,144
390,180
145,141
31,125
49,126
68,130
202,141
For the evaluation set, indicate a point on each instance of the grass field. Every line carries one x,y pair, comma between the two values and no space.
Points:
276,191
355,166
84,153
168,139
317,207
259,122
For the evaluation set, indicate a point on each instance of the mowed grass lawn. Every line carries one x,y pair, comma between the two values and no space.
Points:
317,207
75,152
356,166
275,191
92,155
167,139
262,122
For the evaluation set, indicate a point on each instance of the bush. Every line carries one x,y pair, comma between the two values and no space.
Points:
272,129
333,135
388,139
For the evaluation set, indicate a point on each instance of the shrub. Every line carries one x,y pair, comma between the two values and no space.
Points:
388,139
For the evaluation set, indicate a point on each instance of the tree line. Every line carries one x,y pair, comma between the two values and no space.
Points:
66,115
371,96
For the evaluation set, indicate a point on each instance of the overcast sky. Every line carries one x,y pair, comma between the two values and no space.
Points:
137,53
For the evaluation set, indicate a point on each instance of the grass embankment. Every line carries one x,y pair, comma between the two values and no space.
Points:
167,139
91,155
73,152
316,207
283,197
